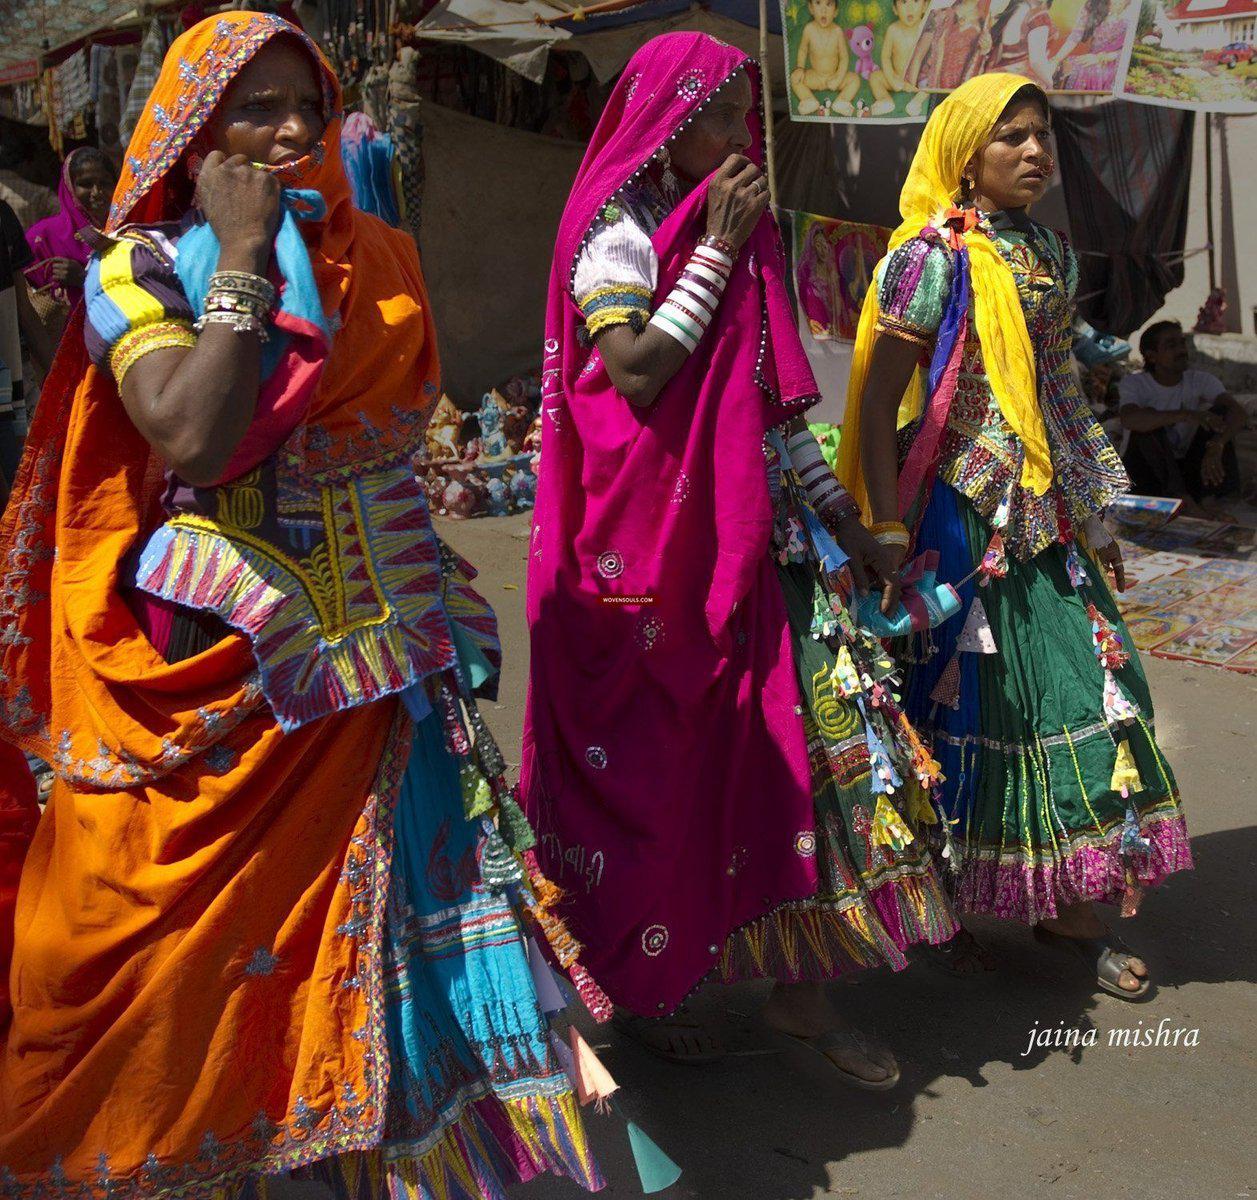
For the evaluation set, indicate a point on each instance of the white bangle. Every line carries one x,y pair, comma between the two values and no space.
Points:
814,473
690,306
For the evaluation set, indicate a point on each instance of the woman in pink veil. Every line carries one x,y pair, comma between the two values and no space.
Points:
714,760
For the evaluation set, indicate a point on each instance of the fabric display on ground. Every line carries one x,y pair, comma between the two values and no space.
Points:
1191,590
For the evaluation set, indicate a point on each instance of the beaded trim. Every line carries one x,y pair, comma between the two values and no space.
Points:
136,343
746,64
615,305
203,83
904,330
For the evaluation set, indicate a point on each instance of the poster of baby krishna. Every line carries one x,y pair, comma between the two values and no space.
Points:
846,60
1065,46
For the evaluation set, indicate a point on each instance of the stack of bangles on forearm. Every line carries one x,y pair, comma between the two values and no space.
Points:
891,533
239,299
692,303
827,495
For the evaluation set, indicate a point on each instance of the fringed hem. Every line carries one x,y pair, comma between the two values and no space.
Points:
315,661
493,1145
1008,886
818,939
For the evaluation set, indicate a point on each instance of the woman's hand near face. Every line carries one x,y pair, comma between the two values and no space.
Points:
736,199
240,202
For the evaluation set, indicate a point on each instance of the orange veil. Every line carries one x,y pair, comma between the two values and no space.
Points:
196,990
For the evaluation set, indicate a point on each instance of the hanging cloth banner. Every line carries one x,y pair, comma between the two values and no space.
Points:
833,270
1197,54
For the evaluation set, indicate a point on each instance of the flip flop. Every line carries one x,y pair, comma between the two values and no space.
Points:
844,1039
673,1030
1108,956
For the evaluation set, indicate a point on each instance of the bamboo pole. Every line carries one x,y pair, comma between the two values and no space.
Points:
1213,258
765,74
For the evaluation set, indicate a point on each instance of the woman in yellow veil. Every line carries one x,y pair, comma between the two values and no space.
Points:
966,435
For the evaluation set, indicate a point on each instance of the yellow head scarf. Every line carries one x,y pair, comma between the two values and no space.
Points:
955,132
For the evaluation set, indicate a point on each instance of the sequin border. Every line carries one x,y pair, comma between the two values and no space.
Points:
305,1135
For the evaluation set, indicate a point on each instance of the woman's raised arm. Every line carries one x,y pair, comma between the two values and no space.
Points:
194,405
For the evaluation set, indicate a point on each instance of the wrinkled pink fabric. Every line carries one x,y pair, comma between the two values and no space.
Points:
664,764
57,236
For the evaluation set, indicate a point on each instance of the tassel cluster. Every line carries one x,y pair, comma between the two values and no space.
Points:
994,563
925,766
1109,647
1126,778
885,777
889,828
1074,567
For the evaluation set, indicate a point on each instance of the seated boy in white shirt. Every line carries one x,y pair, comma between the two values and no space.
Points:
1182,426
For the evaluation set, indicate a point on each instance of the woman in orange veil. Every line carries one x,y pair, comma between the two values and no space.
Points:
267,920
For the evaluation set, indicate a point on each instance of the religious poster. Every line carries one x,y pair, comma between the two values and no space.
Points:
1194,54
846,60
833,269
1063,45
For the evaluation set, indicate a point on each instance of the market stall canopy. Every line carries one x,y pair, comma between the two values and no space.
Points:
510,31
35,27
607,50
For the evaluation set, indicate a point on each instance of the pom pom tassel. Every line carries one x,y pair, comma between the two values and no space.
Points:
1109,647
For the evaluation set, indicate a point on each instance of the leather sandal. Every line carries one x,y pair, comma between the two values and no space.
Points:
1108,956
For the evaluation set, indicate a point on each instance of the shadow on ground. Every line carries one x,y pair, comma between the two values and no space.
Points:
772,1122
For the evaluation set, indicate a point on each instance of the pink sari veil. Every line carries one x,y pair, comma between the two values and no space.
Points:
664,758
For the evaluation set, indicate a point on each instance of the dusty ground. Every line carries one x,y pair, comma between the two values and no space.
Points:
975,1115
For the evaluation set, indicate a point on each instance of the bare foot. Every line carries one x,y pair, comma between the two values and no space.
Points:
1082,921
803,1011
963,956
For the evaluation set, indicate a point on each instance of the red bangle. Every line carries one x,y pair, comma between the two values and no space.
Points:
709,239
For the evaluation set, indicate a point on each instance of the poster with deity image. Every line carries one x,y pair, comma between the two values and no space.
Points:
846,60
833,270
1072,46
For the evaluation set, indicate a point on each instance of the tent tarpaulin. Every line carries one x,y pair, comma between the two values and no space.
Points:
33,27
608,50
503,30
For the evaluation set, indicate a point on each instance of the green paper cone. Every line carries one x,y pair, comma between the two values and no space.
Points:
654,1168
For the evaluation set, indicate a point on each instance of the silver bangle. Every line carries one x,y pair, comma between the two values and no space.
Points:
239,323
